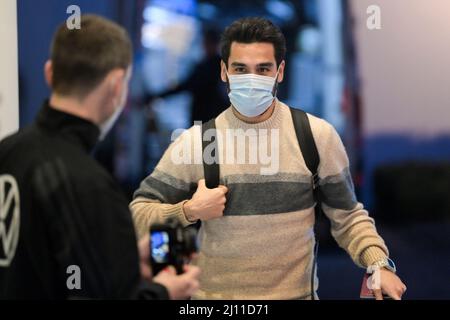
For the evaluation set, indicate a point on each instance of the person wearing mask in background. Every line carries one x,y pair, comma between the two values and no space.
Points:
66,230
256,235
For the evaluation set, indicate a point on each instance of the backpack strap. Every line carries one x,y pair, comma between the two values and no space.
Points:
211,171
307,145
312,159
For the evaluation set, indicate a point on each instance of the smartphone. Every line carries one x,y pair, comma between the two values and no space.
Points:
160,248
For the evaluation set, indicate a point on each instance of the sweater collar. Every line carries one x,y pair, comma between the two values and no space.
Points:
73,128
272,123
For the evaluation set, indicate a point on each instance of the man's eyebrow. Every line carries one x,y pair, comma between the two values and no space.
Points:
259,65
238,64
266,64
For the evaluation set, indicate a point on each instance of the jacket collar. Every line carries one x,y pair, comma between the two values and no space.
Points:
73,128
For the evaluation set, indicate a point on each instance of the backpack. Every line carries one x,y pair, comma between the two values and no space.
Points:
310,155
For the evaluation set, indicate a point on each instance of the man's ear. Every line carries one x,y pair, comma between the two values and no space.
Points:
223,71
281,71
48,73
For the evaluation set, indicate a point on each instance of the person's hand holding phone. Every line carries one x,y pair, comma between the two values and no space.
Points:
179,286
144,258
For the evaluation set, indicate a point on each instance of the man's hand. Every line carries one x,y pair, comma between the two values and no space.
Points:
391,285
206,204
144,258
179,286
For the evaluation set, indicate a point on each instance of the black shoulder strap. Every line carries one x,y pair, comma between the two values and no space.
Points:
211,171
307,144
312,159
305,141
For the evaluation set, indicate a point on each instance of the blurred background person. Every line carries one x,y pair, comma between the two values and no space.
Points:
209,94
385,90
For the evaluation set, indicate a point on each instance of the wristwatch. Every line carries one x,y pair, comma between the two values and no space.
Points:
387,264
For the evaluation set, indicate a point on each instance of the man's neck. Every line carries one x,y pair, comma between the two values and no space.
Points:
261,118
74,106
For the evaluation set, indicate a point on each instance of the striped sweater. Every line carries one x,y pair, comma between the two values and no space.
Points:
262,248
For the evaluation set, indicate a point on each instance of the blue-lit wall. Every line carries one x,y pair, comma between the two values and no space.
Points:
404,76
37,20
389,149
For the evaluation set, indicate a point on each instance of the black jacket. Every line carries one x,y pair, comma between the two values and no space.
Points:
61,209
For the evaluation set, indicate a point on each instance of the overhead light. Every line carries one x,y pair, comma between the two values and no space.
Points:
206,10
280,9
157,15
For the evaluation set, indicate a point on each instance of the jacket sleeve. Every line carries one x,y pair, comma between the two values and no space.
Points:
151,291
351,226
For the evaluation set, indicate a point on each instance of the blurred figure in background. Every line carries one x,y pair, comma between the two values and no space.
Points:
209,95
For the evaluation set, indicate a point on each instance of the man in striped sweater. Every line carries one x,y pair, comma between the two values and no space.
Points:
256,236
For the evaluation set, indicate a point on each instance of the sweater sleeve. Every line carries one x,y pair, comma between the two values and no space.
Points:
162,194
351,226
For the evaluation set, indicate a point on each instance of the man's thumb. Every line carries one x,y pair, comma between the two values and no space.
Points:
170,270
202,183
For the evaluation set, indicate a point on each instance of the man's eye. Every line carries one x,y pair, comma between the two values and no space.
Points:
264,70
239,70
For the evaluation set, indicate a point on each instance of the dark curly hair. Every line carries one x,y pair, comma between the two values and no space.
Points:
250,30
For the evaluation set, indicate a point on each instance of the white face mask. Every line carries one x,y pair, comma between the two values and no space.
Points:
107,125
252,94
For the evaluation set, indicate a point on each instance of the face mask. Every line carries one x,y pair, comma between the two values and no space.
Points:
252,94
107,125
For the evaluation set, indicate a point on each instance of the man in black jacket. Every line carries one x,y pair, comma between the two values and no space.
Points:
65,228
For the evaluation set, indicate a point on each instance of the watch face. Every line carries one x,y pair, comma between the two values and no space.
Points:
388,264
391,265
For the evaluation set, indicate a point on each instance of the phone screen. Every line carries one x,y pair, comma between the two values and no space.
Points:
160,246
